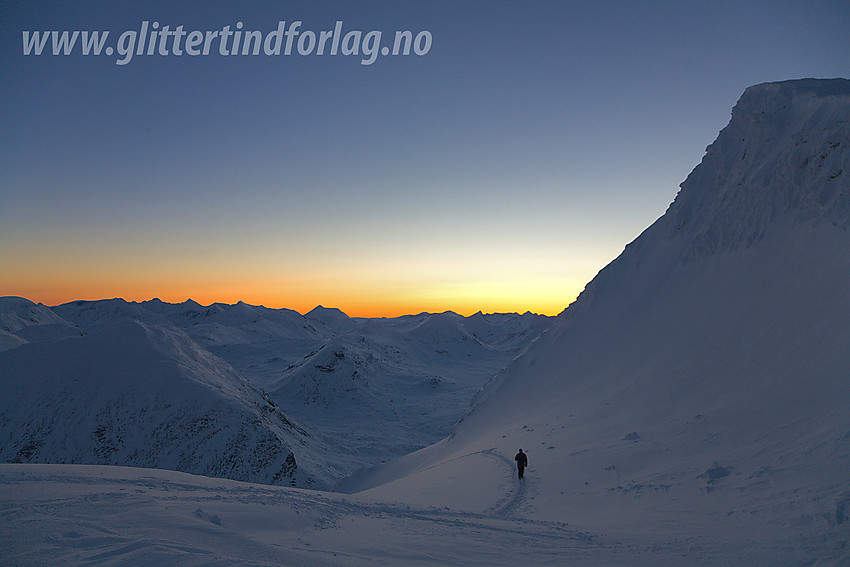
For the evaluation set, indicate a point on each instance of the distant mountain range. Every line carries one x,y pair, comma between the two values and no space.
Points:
239,391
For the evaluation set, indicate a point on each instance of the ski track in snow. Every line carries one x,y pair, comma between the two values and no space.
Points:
204,521
508,509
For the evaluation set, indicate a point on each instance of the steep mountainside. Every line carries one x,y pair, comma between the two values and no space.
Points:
142,395
704,370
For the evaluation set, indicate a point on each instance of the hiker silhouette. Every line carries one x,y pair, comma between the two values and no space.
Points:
521,462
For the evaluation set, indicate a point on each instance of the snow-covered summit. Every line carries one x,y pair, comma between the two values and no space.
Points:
441,328
785,155
782,161
331,318
17,313
22,321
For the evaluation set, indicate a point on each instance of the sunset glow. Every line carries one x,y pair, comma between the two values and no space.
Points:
498,165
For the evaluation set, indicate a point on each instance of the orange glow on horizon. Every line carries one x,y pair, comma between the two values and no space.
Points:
351,303
352,308
374,288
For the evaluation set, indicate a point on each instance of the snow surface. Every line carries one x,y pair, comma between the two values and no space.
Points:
143,395
699,387
363,391
22,321
690,408
75,514
355,392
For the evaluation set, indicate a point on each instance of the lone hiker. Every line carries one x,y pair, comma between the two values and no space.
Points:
521,462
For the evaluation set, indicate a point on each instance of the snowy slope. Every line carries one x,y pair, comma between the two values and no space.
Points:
73,514
392,386
697,391
22,321
369,390
142,395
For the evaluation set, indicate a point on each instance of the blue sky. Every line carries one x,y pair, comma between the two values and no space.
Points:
499,171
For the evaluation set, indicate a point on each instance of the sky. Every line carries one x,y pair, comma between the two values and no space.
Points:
497,167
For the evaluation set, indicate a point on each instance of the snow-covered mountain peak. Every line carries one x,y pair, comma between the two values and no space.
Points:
331,318
16,313
441,328
22,321
784,154
782,162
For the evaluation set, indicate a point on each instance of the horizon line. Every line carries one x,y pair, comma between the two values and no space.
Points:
410,313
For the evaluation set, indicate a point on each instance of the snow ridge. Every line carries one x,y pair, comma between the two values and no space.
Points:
22,321
142,395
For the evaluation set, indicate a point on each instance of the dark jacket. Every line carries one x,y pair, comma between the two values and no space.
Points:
521,459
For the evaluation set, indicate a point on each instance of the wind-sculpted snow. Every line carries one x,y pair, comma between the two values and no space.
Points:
784,155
